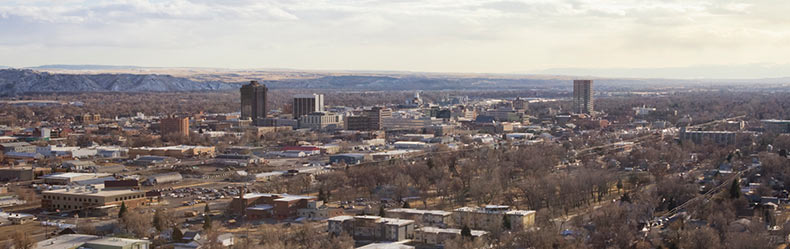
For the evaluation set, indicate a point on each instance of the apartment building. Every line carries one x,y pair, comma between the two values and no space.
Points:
492,216
369,227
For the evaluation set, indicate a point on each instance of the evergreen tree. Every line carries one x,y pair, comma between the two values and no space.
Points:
321,196
381,211
158,221
206,210
506,222
206,222
406,204
619,184
466,232
735,189
177,234
626,198
122,212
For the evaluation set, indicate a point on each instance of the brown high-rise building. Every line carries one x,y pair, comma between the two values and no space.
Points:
307,103
174,125
583,96
376,115
253,101
370,120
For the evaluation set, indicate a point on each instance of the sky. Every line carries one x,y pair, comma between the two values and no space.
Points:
707,38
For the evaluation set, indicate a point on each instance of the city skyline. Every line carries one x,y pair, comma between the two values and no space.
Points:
494,36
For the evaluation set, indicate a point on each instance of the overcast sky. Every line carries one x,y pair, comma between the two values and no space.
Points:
493,36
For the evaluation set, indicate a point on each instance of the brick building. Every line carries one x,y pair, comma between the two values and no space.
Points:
270,206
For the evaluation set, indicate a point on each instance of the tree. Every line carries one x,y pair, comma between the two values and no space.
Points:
177,234
23,241
735,189
137,224
626,198
207,222
206,210
321,196
406,204
162,220
381,211
122,212
466,232
506,222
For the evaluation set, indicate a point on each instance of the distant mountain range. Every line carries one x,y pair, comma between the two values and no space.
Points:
20,81
70,78
82,67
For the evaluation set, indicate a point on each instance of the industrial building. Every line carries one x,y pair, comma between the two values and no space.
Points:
164,178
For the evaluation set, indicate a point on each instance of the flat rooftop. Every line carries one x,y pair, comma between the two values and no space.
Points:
67,241
450,230
88,192
397,222
119,242
283,197
418,211
341,218
70,175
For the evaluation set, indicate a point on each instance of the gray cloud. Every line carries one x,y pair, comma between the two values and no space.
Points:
437,35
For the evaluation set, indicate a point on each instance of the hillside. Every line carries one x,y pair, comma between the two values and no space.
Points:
20,81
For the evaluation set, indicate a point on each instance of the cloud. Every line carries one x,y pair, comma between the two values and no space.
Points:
436,35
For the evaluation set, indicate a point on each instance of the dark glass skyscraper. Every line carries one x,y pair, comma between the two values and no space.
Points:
583,96
253,101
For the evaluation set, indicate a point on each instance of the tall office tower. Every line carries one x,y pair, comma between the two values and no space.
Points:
174,125
520,104
307,103
376,115
253,101
583,96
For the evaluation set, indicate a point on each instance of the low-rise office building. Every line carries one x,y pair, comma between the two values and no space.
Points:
90,198
18,147
321,121
776,126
